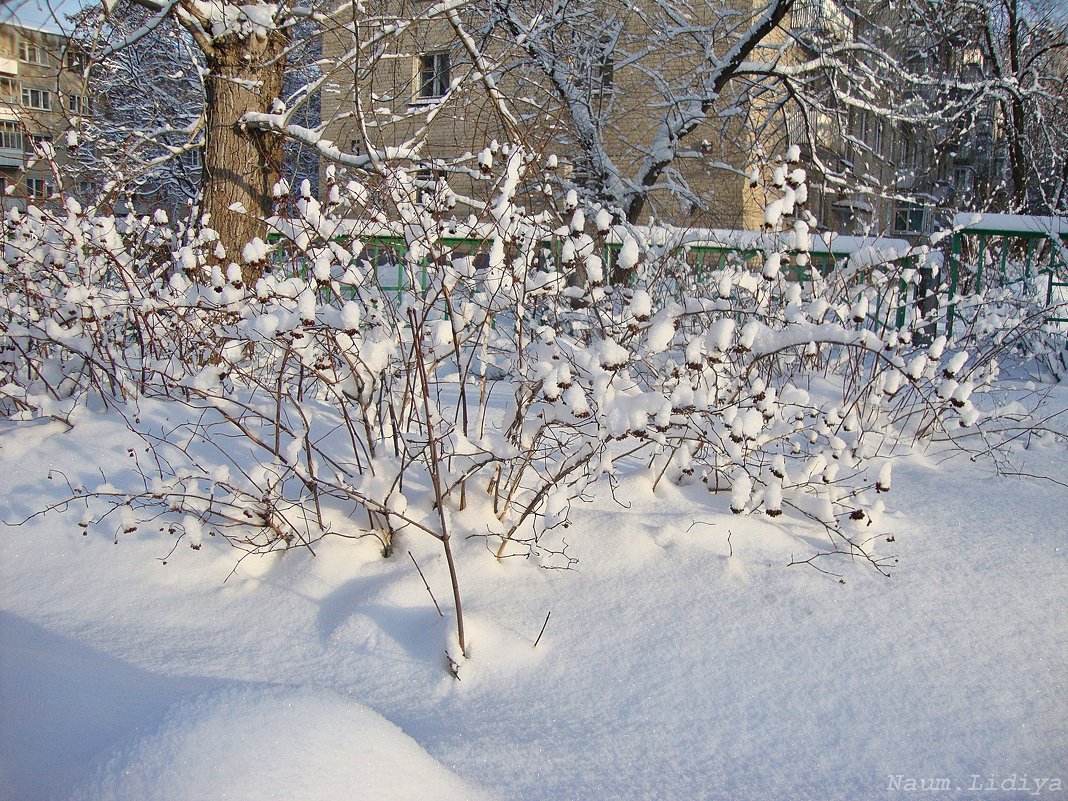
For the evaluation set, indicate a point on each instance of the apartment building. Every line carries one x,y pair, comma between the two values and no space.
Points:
430,91
870,171
42,92
913,177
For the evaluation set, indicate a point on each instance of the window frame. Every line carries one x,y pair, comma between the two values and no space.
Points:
31,52
32,181
45,96
10,89
11,136
75,58
80,105
910,212
33,142
606,64
433,76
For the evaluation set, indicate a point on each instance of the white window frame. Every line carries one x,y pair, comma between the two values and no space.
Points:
11,136
32,53
42,96
34,142
964,178
9,89
79,105
916,217
75,59
433,75
38,188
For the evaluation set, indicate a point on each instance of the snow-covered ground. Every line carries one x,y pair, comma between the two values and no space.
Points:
679,660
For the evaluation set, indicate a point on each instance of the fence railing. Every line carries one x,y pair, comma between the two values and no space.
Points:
989,250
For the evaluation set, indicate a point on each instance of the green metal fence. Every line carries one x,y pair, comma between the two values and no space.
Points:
1000,247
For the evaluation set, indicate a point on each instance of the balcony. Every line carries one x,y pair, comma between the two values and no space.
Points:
11,139
825,17
11,157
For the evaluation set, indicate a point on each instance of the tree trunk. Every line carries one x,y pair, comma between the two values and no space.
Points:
1017,117
241,165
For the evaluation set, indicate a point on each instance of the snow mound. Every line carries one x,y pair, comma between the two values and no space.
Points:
261,743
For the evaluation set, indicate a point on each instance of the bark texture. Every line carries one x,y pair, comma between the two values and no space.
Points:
246,66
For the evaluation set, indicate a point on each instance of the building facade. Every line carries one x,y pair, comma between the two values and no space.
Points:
42,94
598,110
613,78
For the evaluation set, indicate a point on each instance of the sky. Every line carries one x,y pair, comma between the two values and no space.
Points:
44,14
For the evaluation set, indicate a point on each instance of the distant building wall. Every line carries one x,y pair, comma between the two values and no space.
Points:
41,91
374,105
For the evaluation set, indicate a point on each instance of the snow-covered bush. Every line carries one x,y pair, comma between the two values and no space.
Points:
483,393
1016,310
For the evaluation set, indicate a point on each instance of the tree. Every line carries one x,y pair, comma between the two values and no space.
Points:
720,87
980,90
246,49
714,88
1026,48
144,133
689,58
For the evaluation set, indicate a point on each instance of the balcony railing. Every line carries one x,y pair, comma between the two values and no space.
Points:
11,157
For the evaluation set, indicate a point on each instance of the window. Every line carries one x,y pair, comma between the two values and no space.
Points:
864,122
79,105
9,89
824,16
434,74
31,53
37,187
76,59
910,218
192,160
10,136
606,67
35,143
40,99
908,152
962,178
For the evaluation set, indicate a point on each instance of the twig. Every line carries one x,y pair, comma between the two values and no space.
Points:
543,625
1036,476
425,584
435,477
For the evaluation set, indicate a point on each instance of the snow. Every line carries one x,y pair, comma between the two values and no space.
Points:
294,738
683,658
868,249
1016,223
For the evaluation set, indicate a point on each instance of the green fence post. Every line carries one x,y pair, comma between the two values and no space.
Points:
902,302
1052,272
954,266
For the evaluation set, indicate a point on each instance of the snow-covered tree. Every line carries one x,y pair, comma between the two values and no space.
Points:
981,94
661,104
1026,52
143,135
